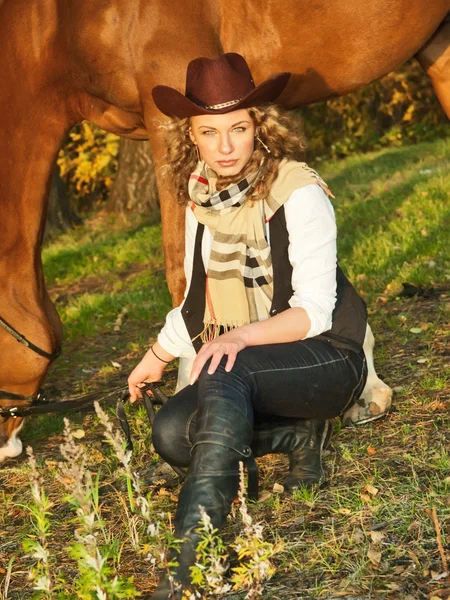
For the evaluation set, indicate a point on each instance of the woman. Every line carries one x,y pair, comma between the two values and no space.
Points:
260,243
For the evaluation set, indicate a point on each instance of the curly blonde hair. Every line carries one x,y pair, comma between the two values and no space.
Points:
276,127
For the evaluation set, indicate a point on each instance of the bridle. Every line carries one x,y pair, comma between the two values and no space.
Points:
4,394
40,405
23,340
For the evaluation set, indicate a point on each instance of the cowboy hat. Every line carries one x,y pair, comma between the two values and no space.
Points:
217,86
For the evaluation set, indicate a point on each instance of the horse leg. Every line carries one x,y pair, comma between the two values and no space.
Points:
376,397
184,372
10,444
434,58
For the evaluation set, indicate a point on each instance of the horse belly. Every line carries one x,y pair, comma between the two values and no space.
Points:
331,48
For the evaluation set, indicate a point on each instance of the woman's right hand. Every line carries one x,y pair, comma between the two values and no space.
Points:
149,369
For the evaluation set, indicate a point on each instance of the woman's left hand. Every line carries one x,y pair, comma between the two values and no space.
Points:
229,343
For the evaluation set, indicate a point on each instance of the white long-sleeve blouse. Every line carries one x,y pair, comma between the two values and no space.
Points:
311,227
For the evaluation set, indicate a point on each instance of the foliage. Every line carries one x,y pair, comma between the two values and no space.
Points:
88,160
253,552
399,109
150,534
36,543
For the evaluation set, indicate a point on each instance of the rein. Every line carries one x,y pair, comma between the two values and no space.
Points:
40,405
151,393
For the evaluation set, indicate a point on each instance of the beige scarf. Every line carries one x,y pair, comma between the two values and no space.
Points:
239,280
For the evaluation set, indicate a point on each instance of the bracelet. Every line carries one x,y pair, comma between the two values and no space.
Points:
159,358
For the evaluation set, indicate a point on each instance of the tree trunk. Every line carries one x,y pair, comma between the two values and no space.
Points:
134,189
60,214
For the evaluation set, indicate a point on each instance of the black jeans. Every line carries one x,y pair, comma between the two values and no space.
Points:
308,379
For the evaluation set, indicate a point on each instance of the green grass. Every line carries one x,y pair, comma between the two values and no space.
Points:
393,221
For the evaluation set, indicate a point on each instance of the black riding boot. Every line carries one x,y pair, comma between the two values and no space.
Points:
222,440
303,440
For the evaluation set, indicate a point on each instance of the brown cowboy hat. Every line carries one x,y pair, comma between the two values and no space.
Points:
217,86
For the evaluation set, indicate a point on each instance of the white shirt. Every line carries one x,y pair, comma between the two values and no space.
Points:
311,227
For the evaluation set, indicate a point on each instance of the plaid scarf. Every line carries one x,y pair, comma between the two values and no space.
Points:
239,278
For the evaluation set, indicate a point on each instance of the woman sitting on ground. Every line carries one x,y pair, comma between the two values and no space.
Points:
275,327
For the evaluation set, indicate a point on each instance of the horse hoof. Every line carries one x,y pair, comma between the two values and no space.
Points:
374,403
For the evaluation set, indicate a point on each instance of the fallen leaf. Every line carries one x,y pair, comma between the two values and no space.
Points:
371,450
366,497
358,535
344,511
422,361
370,489
78,434
265,496
277,488
415,330
116,365
376,536
374,556
437,576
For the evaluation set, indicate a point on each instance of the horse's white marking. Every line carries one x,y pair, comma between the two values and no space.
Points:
375,399
13,446
184,372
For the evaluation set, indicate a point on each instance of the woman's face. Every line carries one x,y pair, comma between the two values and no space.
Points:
225,142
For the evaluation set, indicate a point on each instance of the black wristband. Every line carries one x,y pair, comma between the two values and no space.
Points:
159,358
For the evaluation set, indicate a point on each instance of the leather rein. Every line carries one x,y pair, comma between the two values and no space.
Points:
40,405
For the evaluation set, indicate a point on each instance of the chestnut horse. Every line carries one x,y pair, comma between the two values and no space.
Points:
63,61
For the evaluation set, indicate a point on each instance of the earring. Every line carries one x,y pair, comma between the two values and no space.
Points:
265,146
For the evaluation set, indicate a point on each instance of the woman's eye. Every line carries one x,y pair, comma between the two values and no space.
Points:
208,132
239,129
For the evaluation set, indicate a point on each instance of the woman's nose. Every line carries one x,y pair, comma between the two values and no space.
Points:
225,146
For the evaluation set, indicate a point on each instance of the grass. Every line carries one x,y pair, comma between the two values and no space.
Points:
393,220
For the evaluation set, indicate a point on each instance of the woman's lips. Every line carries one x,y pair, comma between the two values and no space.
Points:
227,163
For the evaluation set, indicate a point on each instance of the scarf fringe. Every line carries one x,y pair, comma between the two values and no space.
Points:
213,329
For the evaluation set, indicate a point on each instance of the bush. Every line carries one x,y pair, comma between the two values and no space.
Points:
401,108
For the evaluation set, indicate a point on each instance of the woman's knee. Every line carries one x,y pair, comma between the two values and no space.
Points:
170,437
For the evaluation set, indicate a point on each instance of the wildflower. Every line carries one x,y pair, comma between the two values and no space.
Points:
40,553
42,583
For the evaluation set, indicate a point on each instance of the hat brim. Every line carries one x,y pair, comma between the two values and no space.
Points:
174,104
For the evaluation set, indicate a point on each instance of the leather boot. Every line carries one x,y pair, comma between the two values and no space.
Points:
222,440
303,440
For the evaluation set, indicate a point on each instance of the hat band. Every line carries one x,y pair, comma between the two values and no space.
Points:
223,105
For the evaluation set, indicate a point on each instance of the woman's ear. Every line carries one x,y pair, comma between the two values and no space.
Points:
191,135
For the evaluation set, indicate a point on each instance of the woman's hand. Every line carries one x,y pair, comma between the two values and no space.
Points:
149,369
229,343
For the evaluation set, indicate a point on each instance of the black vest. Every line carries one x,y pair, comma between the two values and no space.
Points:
349,315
